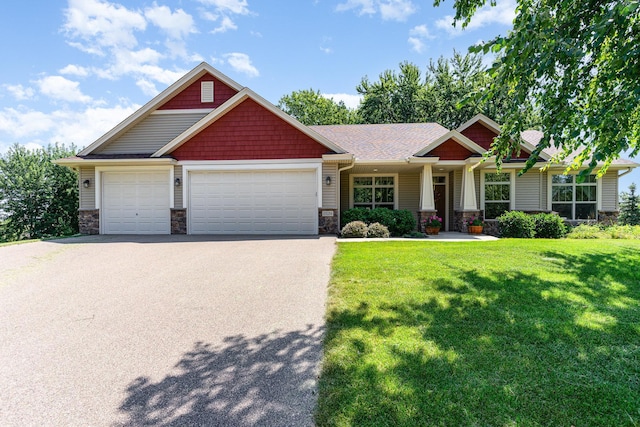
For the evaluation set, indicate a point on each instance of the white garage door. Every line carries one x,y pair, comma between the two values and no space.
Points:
253,202
135,203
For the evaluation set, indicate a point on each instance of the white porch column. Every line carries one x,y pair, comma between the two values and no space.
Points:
468,196
428,203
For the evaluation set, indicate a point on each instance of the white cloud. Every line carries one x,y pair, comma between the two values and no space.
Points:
62,89
64,126
390,10
176,24
223,11
75,70
19,92
350,101
417,37
147,87
102,24
241,63
504,12
238,7
396,10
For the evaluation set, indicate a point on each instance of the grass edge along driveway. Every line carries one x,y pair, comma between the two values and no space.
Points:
506,333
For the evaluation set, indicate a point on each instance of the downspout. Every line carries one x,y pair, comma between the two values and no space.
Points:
625,172
340,170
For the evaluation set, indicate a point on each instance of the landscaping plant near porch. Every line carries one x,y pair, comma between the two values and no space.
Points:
505,333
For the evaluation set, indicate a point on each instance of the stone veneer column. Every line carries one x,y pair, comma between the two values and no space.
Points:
178,221
328,221
89,221
422,215
460,219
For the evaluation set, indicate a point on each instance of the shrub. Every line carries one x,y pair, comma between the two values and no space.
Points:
354,229
516,224
549,226
399,222
355,214
377,230
403,222
597,231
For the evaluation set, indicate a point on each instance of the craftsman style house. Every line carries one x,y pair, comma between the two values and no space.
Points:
208,156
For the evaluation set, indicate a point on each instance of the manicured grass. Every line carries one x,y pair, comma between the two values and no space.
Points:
505,333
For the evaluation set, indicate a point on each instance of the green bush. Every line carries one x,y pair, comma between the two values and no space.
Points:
549,226
377,230
399,222
597,231
516,224
354,229
355,214
403,222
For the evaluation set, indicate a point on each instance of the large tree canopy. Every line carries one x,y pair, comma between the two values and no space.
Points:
311,108
37,197
579,63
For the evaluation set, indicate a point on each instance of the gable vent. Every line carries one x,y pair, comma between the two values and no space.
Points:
206,92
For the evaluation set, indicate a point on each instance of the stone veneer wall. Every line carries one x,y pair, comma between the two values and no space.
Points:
608,217
460,219
178,221
89,221
423,215
328,224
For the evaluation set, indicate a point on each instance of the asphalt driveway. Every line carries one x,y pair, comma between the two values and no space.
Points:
162,331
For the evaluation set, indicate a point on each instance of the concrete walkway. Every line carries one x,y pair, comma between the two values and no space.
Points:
447,236
162,331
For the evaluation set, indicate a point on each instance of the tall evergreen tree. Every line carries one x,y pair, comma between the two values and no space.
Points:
630,207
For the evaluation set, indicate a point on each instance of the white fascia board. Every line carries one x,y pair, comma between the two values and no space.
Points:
116,162
346,157
483,119
160,99
423,160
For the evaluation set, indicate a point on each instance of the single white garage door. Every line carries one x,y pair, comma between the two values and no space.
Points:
135,203
253,202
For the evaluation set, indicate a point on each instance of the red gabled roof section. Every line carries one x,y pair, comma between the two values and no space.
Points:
250,132
483,136
190,97
450,150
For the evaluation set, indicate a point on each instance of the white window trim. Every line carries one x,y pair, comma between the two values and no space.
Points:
396,195
550,175
512,188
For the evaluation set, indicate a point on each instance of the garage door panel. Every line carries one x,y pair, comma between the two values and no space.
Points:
253,202
135,203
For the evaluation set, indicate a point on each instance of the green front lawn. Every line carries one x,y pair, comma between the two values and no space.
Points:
505,333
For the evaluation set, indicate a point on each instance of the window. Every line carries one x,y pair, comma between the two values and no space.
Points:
573,200
374,192
497,194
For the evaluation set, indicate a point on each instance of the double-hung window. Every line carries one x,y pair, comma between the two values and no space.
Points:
573,200
497,194
374,192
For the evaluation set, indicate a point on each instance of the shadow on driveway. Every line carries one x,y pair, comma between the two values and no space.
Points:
269,380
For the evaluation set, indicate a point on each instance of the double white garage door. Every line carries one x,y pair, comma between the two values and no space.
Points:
221,202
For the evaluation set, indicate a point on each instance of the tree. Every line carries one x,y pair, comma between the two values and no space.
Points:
311,108
630,207
580,66
443,96
37,197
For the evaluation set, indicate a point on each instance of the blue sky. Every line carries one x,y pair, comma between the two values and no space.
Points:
74,69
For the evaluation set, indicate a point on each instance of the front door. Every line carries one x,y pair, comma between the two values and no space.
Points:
440,198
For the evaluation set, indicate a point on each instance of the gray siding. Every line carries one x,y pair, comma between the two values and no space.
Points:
330,192
528,189
177,191
88,195
544,191
409,193
151,134
610,191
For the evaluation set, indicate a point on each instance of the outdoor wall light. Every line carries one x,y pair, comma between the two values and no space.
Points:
86,183
177,182
327,180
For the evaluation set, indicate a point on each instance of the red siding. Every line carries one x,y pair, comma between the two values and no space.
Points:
247,132
484,137
189,98
451,150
